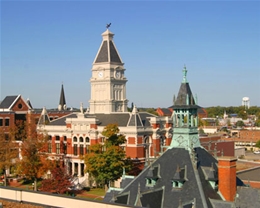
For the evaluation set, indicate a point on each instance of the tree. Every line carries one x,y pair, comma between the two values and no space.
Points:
258,144
240,123
59,182
34,162
257,122
8,153
106,161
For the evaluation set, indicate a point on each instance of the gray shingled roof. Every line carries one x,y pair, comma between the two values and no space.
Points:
252,174
8,101
184,92
104,54
247,197
163,194
61,121
104,119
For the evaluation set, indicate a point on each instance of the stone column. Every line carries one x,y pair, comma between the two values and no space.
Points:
79,169
73,167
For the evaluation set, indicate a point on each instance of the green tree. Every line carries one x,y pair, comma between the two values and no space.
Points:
8,153
258,144
240,123
257,122
105,162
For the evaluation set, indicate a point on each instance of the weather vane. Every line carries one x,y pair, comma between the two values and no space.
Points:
108,25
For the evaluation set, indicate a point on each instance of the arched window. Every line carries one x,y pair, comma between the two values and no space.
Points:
75,139
87,139
81,139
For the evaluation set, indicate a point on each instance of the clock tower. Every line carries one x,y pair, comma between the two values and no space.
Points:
185,117
108,81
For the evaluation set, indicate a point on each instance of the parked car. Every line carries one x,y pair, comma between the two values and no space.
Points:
257,152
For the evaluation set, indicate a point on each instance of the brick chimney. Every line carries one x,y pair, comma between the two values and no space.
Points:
227,177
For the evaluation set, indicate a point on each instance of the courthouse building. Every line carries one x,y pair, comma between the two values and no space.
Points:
73,134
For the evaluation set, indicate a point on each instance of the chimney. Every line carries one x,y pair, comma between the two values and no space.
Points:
227,177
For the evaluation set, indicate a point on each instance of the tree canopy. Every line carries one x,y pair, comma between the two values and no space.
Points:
258,144
240,123
8,152
239,110
59,181
34,162
105,162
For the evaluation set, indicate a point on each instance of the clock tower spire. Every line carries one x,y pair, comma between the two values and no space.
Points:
108,83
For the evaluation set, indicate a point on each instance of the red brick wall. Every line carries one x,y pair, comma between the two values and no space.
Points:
11,117
253,184
250,135
135,152
140,140
94,126
227,177
16,105
69,146
131,140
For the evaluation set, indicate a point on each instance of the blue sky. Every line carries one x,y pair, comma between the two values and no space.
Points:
47,43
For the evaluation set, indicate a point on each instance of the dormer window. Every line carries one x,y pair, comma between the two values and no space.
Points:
150,182
211,176
152,176
179,177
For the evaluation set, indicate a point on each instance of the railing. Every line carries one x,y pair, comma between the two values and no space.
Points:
45,199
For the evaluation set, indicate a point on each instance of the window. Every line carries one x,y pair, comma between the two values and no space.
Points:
87,139
64,138
75,139
6,121
57,138
49,148
75,149
81,139
6,137
65,149
102,139
57,148
81,149
1,122
50,137
87,149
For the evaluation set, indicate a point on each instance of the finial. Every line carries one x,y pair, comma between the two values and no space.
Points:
184,71
108,25
81,107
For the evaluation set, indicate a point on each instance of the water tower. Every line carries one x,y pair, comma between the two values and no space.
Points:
245,102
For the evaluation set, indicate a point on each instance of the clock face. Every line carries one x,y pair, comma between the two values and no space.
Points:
100,74
118,74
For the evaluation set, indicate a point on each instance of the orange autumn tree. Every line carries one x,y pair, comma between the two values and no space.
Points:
8,153
34,162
